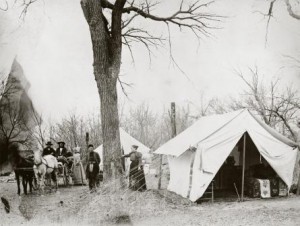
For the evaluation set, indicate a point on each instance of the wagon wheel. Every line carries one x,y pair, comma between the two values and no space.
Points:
67,175
63,174
70,173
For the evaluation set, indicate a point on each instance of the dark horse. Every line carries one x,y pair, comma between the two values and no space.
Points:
24,169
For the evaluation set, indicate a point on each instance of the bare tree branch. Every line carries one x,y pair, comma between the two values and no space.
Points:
269,15
277,107
4,6
123,84
290,10
295,61
191,17
26,4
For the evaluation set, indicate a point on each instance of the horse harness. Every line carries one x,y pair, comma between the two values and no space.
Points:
46,164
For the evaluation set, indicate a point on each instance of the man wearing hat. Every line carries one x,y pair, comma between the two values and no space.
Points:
48,150
92,169
64,155
61,150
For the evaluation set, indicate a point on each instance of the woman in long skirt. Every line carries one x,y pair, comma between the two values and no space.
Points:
79,176
141,179
137,180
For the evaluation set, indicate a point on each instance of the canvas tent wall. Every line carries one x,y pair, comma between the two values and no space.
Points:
126,142
196,154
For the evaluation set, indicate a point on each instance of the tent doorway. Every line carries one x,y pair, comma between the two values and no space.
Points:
239,173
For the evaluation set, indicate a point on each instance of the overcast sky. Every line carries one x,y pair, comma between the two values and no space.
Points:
53,46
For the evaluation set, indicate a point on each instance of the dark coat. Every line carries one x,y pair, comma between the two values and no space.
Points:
94,157
137,181
48,151
63,152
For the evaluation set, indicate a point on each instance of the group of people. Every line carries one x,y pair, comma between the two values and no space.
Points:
72,160
137,180
61,153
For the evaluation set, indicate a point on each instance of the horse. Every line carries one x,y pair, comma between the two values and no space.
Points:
45,166
24,169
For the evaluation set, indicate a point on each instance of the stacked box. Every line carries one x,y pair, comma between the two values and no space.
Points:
283,190
274,184
253,188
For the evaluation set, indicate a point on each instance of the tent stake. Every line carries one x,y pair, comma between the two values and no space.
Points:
243,170
237,192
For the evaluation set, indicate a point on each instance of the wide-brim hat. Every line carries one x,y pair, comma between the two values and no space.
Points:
49,143
135,146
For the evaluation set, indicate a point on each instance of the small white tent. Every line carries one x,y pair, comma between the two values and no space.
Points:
196,154
126,142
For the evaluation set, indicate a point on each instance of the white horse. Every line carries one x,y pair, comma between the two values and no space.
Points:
45,166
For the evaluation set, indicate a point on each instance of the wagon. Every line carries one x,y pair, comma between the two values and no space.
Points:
65,171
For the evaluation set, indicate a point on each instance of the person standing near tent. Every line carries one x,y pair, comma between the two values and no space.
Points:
78,171
92,168
141,178
136,173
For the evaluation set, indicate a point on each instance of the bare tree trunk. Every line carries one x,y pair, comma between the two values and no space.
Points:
107,62
110,127
107,49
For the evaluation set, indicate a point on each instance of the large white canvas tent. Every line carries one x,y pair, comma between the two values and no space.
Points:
196,154
126,142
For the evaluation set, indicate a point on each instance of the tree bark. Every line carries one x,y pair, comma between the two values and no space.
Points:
106,71
110,127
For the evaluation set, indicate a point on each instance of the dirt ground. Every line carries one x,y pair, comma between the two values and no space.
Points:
76,206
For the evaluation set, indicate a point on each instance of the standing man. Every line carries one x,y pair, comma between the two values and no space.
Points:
48,150
92,169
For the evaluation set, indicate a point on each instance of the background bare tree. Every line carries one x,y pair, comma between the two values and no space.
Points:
277,105
15,123
13,129
40,132
292,7
72,130
141,123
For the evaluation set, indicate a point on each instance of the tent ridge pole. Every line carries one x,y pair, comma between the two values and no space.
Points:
243,170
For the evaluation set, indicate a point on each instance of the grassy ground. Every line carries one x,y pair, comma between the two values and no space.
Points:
76,206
